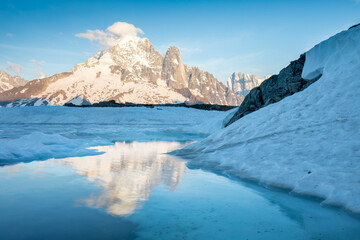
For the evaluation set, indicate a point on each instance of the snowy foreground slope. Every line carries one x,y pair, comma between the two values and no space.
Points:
40,133
308,142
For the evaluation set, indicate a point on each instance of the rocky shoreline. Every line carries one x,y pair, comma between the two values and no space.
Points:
112,103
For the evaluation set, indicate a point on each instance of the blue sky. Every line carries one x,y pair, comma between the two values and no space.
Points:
221,37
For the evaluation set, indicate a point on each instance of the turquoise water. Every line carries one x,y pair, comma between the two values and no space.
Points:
135,191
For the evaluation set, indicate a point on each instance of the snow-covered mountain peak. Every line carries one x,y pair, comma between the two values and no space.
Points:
173,54
173,69
131,43
8,82
173,50
129,52
242,83
131,71
136,51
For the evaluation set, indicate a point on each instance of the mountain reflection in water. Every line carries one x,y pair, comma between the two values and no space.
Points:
128,172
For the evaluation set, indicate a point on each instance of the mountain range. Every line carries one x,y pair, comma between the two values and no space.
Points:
131,71
242,83
8,82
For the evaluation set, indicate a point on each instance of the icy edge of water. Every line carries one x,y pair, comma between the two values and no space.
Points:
245,176
41,146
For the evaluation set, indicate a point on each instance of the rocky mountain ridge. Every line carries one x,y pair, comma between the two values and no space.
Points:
131,71
8,82
243,83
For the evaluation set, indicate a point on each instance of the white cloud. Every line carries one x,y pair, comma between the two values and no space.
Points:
37,64
14,67
123,29
112,34
9,35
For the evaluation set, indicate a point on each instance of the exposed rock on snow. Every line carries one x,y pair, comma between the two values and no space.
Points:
131,71
29,102
275,88
78,101
316,130
112,103
8,82
34,89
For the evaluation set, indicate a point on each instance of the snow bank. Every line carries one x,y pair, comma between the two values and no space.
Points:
308,142
40,146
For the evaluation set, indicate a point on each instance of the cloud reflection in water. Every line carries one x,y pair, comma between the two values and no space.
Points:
128,172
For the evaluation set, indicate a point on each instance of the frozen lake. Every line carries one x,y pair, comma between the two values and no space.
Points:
126,187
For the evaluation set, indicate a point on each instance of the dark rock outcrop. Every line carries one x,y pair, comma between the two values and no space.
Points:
29,102
113,103
274,89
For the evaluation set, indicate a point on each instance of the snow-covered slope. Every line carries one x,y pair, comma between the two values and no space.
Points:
242,83
308,142
131,71
8,82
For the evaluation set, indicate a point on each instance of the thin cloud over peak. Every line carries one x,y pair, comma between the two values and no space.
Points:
13,67
39,71
112,34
